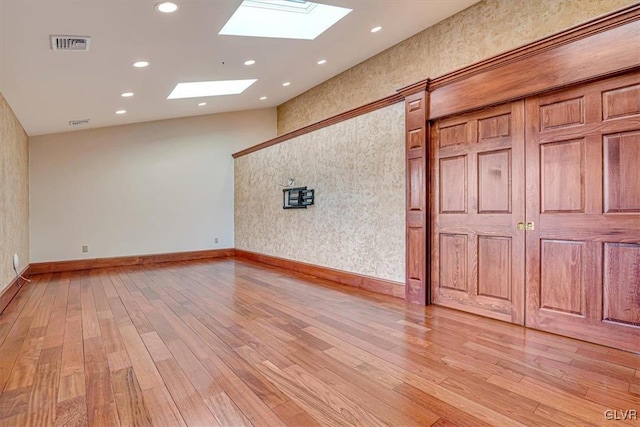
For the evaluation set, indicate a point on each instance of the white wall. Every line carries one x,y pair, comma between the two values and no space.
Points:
146,188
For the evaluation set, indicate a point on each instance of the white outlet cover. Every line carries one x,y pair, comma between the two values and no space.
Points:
16,261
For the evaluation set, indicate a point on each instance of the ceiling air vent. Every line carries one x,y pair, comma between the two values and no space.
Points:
77,43
81,122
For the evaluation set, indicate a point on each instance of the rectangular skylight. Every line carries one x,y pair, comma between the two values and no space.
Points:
213,88
284,19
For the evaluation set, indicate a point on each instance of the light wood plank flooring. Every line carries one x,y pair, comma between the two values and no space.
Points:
230,343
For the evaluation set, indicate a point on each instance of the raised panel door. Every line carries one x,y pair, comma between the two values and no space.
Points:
583,196
477,254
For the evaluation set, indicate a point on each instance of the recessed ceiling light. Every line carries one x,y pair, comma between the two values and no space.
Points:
127,94
250,62
262,98
322,61
121,111
376,29
166,7
286,84
140,64
214,88
294,19
202,104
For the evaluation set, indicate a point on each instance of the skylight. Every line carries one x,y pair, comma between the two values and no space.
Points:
213,88
284,19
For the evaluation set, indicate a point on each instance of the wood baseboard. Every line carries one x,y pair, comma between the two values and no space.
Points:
381,286
10,291
89,264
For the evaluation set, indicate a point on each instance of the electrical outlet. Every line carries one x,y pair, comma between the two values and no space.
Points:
215,240
85,249
16,262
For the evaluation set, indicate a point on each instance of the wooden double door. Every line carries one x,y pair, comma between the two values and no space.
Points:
536,212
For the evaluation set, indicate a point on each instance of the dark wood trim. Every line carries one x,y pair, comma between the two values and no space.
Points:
89,264
569,35
12,290
373,284
364,109
581,54
418,87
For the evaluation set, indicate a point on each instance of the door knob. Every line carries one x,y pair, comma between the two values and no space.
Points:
526,226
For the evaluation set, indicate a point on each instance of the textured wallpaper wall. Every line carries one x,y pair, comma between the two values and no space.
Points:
357,169
14,193
486,29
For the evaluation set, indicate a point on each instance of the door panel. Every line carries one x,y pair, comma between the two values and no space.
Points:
562,278
494,267
562,176
621,166
453,185
494,182
583,196
454,261
621,283
477,251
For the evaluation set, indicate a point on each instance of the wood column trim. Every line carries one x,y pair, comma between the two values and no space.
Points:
374,284
12,290
88,264
416,96
414,88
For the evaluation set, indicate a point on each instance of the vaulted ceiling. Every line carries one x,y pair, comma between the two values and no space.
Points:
47,89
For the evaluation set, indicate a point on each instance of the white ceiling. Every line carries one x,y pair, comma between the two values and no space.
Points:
47,89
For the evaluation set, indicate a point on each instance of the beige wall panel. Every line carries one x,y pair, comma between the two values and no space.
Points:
357,169
14,194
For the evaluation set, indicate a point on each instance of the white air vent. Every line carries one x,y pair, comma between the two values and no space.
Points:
81,122
78,43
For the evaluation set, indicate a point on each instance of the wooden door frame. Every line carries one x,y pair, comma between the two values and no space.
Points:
558,61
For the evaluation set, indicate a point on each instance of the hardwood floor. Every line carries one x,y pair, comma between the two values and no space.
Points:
232,343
